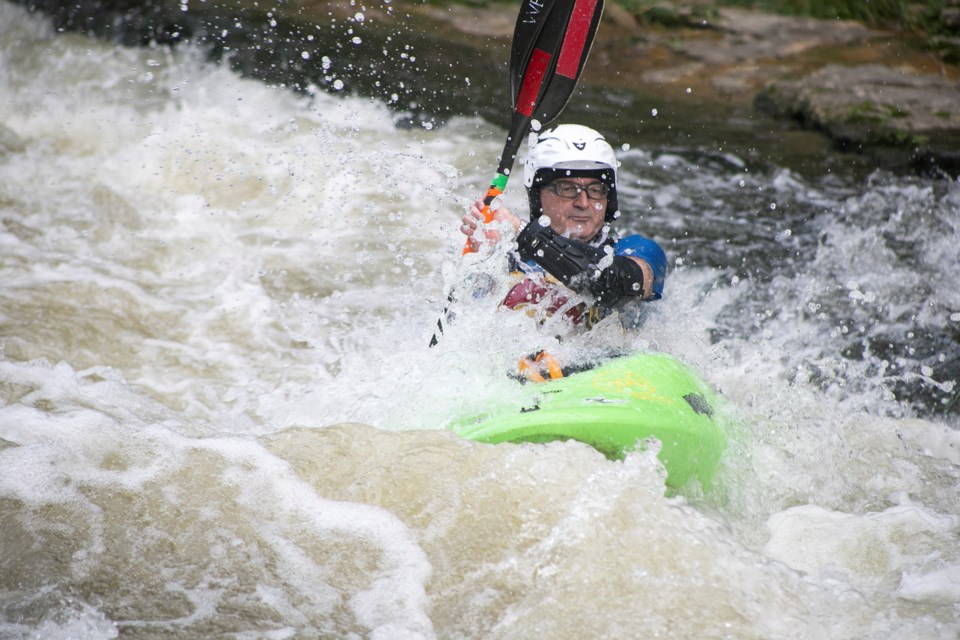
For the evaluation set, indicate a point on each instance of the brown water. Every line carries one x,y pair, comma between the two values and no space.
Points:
219,417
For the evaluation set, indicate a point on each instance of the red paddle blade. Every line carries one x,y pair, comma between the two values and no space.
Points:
551,44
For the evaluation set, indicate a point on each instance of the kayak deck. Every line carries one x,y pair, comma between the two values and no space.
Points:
615,408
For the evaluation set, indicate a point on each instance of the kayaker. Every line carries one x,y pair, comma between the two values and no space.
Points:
569,258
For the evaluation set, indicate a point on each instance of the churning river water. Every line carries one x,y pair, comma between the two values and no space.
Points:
219,417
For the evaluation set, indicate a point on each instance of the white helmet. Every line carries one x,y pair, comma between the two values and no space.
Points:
569,146
570,150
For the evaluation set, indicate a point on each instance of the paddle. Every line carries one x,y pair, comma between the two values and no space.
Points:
551,42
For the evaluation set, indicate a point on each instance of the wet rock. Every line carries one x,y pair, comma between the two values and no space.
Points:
866,107
753,35
737,52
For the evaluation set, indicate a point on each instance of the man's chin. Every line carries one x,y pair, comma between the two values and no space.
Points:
578,230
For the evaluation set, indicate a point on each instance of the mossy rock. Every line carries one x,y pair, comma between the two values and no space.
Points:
872,112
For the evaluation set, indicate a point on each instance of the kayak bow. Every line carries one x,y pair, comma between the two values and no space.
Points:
616,408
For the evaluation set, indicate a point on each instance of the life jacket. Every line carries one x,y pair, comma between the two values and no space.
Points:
537,291
542,292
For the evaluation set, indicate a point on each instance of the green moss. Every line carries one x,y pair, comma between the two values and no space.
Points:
889,137
898,138
877,128
896,112
865,113
872,113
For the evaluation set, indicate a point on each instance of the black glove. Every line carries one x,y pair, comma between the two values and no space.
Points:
574,263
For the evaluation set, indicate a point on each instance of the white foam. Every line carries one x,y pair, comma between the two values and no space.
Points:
87,623
941,585
869,546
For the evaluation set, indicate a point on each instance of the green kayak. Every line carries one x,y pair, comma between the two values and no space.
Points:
615,407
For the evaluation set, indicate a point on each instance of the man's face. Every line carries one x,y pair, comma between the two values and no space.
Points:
579,217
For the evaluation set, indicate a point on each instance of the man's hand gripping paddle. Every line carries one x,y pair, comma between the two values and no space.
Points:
551,42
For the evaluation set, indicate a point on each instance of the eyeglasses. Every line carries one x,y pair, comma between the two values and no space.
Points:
571,190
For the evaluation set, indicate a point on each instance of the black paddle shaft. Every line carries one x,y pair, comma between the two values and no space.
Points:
551,42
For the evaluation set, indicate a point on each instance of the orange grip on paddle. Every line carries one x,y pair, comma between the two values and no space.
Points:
492,193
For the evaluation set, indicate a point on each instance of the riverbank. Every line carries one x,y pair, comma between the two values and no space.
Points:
789,88
876,93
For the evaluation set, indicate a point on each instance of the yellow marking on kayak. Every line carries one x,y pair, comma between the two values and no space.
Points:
633,384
